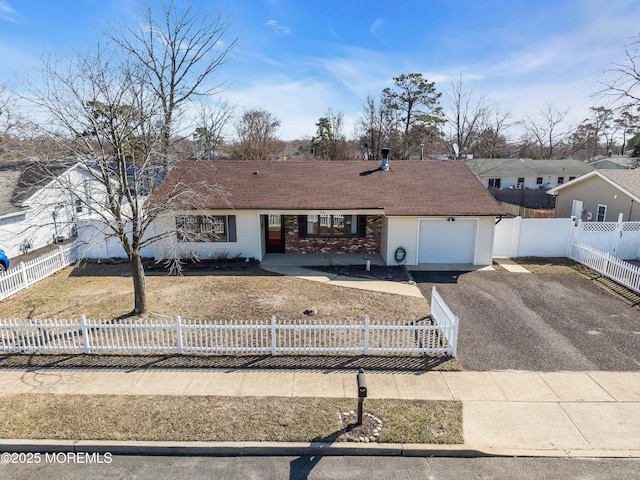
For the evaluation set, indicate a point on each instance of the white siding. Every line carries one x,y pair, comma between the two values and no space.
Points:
486,235
248,235
36,226
402,232
529,182
97,240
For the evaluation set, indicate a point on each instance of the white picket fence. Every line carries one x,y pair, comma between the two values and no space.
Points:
618,270
446,321
27,273
272,337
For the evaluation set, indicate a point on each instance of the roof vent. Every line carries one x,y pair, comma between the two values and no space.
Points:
256,172
385,160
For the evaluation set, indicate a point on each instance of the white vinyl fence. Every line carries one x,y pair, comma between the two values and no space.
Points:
533,237
27,273
619,239
272,337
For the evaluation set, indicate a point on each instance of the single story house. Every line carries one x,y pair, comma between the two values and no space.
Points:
615,162
41,204
501,173
600,196
415,212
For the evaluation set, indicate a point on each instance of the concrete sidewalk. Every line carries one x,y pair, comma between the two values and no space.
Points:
576,413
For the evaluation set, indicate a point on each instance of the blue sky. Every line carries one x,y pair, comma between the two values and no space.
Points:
296,58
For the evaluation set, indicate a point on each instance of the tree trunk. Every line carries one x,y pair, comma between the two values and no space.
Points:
139,285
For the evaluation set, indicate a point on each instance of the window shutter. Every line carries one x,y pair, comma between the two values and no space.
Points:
302,226
362,226
231,225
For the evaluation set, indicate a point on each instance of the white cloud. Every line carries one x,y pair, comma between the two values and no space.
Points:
6,12
277,28
375,27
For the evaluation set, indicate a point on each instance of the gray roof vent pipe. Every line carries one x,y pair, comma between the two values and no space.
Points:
385,160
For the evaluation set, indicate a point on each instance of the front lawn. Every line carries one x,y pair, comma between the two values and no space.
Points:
231,419
106,292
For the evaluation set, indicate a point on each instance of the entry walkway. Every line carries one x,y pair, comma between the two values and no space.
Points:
294,265
569,413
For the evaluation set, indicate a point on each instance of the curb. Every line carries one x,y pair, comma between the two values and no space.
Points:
237,449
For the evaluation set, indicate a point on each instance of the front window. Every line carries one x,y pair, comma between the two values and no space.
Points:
539,181
324,225
602,213
494,182
560,180
202,228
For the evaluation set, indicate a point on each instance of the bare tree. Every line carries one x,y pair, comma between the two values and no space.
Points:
98,110
492,140
467,114
370,130
621,81
210,124
10,122
547,134
177,52
256,131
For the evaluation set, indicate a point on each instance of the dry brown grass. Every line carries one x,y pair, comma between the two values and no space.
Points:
106,291
546,265
192,418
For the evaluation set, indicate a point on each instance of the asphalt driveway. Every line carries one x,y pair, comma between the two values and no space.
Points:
543,322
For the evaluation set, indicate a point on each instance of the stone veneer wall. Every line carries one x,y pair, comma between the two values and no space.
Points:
369,244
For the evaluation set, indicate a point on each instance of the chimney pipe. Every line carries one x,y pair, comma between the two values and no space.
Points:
385,160
421,151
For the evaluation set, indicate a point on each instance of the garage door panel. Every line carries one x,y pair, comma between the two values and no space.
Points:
443,241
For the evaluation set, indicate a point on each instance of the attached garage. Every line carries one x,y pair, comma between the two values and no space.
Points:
447,240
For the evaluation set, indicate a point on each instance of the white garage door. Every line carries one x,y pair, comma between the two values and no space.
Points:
441,241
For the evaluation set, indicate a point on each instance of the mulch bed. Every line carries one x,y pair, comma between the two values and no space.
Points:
376,272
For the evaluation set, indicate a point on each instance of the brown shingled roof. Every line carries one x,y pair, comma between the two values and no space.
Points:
409,188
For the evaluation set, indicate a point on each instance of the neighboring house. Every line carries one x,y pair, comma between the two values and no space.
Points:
600,196
617,163
501,173
41,205
437,212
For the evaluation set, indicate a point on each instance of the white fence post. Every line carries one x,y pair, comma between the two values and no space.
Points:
85,333
618,236
61,254
517,227
23,273
366,335
273,335
179,334
454,336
